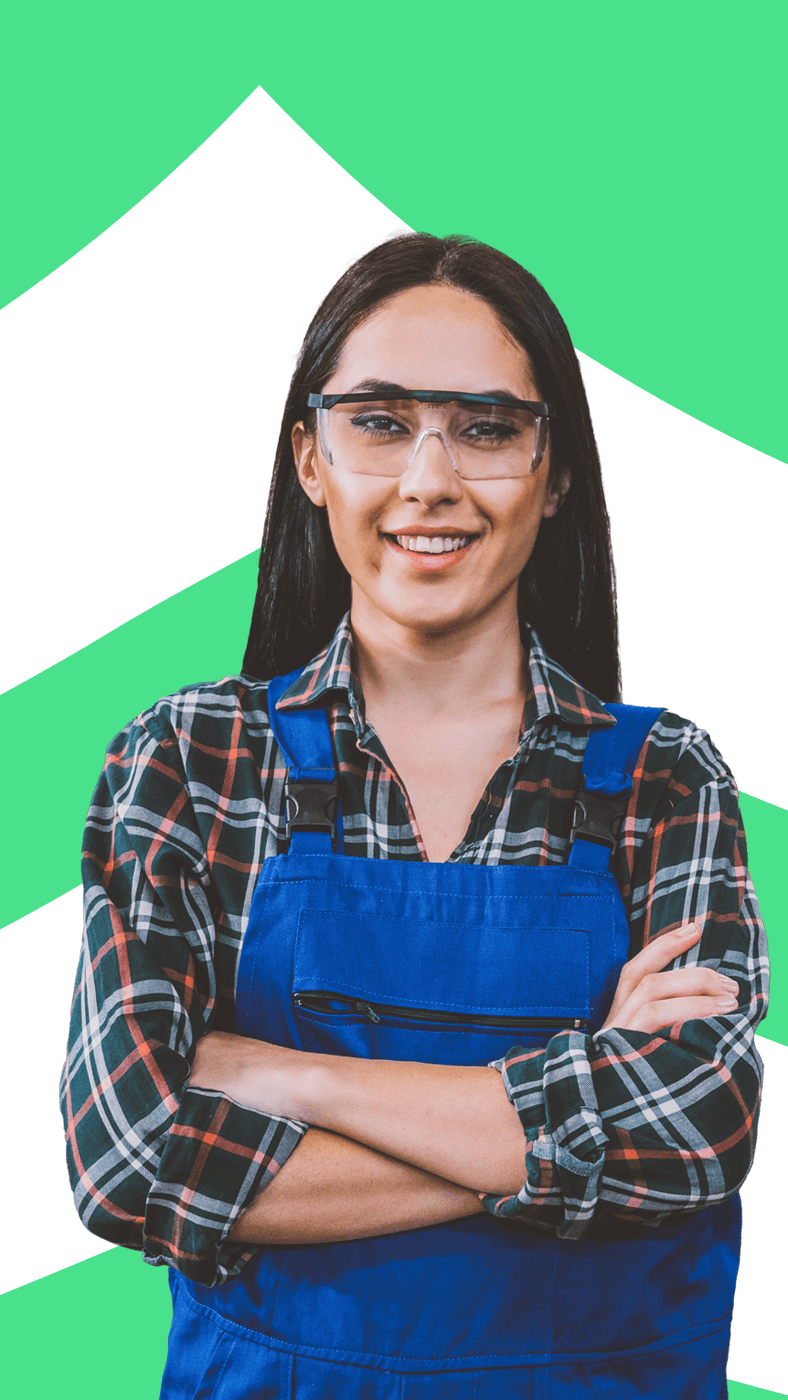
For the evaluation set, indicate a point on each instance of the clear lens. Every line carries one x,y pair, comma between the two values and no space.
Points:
324,433
487,441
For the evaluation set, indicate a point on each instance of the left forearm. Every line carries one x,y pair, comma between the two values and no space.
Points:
453,1121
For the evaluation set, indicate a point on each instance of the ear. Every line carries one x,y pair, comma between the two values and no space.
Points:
558,485
305,453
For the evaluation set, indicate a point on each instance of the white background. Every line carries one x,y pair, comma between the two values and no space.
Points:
142,388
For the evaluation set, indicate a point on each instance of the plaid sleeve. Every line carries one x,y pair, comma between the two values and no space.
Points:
154,1164
642,1127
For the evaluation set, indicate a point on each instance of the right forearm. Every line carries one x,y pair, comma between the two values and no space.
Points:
334,1189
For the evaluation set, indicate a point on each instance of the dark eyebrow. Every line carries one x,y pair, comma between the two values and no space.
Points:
377,386
384,386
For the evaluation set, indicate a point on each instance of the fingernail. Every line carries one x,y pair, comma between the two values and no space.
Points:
685,932
728,1003
729,984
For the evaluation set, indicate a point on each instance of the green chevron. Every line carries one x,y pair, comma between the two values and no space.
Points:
738,1391
105,1325
631,157
73,709
767,843
58,724
109,1308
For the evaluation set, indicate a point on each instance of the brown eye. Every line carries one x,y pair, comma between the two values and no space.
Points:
489,432
378,425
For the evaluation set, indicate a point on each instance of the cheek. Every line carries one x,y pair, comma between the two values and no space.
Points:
352,513
516,516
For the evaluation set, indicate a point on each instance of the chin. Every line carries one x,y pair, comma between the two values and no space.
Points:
432,621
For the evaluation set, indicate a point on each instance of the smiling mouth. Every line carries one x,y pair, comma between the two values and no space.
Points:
432,544
431,554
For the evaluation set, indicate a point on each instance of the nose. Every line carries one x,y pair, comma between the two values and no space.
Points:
431,473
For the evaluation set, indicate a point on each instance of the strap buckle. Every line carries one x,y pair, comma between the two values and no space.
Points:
597,818
311,806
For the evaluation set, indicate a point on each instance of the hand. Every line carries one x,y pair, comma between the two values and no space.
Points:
647,998
270,1078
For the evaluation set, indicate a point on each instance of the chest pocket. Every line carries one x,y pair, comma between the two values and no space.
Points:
459,988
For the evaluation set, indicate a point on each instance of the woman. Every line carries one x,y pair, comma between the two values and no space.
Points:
412,1124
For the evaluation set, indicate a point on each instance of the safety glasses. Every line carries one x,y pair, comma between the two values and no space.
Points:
485,436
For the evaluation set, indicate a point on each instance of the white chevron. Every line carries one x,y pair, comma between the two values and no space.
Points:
41,1228
758,1353
698,524
144,381
37,1241
143,384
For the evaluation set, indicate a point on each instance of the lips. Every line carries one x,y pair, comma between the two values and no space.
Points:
430,552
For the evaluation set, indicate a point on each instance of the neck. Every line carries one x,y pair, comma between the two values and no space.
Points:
460,670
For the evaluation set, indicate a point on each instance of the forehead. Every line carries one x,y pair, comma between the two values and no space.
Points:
434,337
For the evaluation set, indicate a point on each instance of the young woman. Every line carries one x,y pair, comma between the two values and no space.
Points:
414,1027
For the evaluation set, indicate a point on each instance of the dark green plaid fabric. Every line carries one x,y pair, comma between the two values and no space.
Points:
190,803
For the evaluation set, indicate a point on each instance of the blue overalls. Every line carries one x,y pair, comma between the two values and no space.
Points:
450,964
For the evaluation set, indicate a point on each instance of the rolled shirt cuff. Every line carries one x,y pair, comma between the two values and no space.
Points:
553,1092
218,1155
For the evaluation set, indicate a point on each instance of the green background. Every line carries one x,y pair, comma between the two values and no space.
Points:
197,635
631,156
107,1318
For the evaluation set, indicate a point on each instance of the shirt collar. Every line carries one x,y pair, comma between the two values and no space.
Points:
332,669
552,691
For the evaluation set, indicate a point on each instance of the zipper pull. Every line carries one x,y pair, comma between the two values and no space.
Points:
366,1010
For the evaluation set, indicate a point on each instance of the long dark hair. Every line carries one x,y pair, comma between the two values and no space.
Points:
567,590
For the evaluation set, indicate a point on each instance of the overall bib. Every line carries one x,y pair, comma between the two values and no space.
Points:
450,964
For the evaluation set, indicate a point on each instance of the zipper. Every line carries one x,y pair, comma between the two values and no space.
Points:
374,1011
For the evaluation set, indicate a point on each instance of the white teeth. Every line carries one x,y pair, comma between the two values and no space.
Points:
436,544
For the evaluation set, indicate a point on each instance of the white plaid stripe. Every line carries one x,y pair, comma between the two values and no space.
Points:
190,804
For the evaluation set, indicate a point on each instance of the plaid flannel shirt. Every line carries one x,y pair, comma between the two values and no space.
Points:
189,805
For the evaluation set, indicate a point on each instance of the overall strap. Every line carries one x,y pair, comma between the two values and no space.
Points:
311,788
607,782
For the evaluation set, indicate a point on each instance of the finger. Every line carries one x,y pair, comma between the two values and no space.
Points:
683,982
665,947
653,958
674,1011
678,982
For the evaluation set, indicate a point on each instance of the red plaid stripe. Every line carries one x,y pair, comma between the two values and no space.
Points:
190,803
